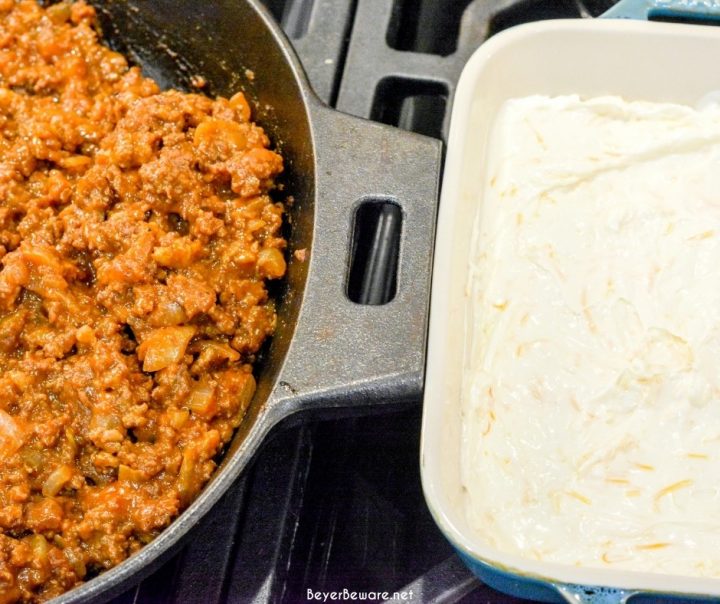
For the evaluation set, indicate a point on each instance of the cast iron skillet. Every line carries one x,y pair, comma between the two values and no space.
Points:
327,352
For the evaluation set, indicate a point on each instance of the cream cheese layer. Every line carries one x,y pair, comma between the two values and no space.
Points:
591,397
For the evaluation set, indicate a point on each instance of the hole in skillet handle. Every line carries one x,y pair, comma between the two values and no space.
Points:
375,251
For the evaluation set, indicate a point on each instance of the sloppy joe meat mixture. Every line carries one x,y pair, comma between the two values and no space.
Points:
136,238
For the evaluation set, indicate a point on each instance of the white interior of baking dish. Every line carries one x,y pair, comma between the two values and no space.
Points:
636,60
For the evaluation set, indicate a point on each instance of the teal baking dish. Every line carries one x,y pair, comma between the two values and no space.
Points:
652,61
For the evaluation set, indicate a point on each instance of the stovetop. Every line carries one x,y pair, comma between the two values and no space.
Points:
337,505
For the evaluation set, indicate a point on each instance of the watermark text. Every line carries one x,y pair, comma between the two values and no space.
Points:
347,595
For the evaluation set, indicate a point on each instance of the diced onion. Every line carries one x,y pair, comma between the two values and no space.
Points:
177,418
11,435
187,482
240,104
247,391
39,546
164,347
203,400
221,350
271,263
59,13
213,132
56,481
169,314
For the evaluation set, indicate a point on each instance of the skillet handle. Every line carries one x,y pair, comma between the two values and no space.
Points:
696,10
344,353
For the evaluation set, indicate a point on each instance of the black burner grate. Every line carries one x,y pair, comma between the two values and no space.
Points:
338,504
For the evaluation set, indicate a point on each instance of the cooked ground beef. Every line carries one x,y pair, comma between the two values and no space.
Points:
136,238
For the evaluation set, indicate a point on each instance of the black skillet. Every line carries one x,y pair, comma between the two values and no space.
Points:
328,352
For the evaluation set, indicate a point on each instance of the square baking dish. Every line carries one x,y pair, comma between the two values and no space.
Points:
638,60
